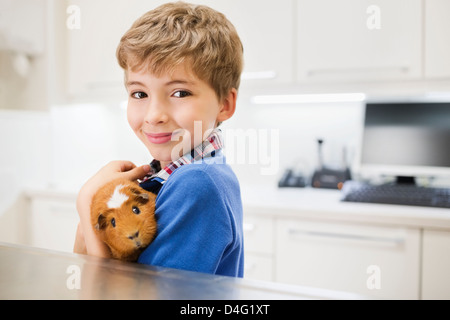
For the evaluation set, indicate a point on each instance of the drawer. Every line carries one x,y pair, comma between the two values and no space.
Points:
258,234
381,262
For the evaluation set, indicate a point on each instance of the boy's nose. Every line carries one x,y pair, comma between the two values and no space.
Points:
156,112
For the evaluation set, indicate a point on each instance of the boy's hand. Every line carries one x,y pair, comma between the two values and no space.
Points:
86,240
113,170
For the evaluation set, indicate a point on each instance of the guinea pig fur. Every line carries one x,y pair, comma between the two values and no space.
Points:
123,215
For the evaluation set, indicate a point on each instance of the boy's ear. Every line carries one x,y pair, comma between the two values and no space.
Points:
228,106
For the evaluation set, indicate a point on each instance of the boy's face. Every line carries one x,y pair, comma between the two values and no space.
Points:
174,112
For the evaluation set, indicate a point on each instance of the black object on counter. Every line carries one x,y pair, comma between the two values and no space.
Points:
292,180
324,177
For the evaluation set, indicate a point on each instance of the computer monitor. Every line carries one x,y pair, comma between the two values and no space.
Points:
406,139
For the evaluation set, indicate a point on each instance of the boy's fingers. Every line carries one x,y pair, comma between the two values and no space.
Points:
137,172
126,166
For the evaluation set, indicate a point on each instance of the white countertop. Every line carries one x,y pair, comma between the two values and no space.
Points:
319,204
32,273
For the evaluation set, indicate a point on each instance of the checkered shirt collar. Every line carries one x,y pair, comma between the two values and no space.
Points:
206,149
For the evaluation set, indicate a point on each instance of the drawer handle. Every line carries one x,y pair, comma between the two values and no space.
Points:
394,241
248,226
319,72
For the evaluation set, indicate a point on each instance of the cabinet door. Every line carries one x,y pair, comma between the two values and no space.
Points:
258,234
53,224
373,261
258,267
93,70
436,265
437,35
359,40
259,246
266,29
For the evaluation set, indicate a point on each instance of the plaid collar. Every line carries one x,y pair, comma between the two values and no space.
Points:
157,177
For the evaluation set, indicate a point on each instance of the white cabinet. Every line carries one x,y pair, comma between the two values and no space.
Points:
287,43
93,70
437,35
259,247
354,40
267,39
266,29
53,222
375,250
374,261
436,265
258,267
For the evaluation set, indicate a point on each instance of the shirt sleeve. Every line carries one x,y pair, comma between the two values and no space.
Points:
194,227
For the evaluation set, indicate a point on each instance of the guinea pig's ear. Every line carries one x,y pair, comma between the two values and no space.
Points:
101,222
141,197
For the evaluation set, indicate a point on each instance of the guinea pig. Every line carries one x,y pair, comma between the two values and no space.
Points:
123,215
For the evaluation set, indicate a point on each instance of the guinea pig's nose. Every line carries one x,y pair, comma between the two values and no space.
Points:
134,235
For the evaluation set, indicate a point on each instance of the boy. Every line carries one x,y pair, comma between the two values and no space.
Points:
182,66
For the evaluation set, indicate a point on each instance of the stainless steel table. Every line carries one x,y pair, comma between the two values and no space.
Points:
31,273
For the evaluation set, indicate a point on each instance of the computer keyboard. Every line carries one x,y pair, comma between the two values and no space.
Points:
354,191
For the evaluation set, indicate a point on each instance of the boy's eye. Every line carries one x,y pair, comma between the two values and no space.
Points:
139,95
181,94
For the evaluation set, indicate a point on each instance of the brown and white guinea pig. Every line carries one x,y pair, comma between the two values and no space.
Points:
123,215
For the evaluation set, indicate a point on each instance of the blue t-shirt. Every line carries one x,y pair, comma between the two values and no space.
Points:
199,216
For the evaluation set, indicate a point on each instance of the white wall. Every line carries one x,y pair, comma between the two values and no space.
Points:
86,137
62,148
299,126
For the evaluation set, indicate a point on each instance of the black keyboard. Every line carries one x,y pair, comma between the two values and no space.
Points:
354,191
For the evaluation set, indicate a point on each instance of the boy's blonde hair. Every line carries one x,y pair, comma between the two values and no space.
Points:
179,32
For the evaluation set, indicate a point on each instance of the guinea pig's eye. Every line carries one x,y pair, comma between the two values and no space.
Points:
136,210
113,222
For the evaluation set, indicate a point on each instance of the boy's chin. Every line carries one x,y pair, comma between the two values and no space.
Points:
165,155
171,151
160,156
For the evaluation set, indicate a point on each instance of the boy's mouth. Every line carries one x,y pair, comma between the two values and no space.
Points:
159,138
